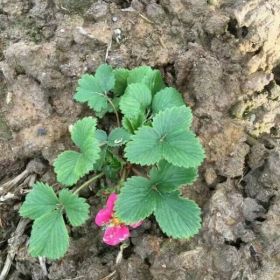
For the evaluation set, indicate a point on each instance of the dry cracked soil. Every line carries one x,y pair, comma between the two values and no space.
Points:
223,55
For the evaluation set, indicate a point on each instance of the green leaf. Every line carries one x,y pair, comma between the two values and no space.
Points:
101,136
145,74
116,102
93,89
70,166
183,149
90,91
167,98
83,133
168,177
168,139
173,119
145,148
112,167
49,236
102,159
178,217
135,100
111,173
76,208
132,124
105,77
118,137
109,108
136,201
154,81
138,74
40,201
121,75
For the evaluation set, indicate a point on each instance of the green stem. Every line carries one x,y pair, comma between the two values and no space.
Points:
115,110
122,179
113,106
137,172
88,182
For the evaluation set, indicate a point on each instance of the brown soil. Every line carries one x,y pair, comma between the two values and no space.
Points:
223,55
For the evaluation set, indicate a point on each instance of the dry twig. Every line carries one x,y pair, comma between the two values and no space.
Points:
14,243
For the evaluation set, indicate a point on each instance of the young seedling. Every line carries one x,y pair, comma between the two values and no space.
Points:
152,139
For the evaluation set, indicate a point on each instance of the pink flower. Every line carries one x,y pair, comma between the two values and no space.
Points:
115,231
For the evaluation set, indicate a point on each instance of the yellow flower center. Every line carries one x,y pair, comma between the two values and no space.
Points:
115,221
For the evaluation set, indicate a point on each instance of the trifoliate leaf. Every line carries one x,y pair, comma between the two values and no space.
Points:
118,137
70,166
168,177
167,98
49,236
177,217
90,91
168,139
132,124
136,201
76,208
40,201
145,74
94,89
121,75
135,100
105,77
101,136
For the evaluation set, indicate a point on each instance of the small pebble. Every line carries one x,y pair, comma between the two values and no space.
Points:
117,31
41,131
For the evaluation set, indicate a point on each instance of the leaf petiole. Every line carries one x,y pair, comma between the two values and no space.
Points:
88,182
115,110
113,106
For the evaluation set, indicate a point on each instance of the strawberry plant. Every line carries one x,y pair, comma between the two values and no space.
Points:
145,155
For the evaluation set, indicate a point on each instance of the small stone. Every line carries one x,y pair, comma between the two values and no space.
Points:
117,31
252,210
210,176
134,268
155,12
97,11
94,35
216,24
117,34
36,166
257,82
41,131
147,246
137,5
226,258
257,156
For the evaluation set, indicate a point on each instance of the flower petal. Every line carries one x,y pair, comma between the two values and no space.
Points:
103,217
115,235
111,201
136,225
